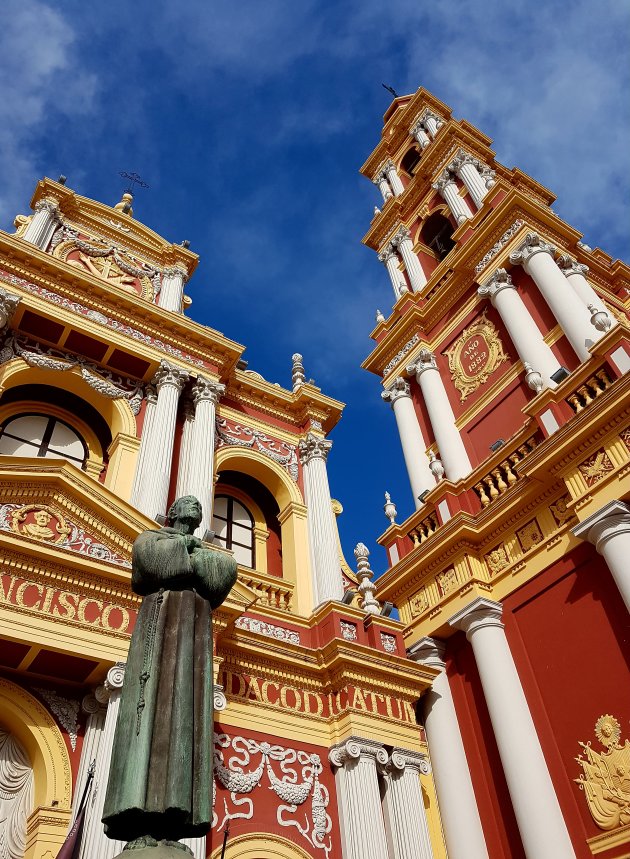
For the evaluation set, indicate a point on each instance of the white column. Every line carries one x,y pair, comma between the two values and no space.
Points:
419,134
91,741
448,438
432,122
389,258
206,394
524,333
95,844
464,166
403,806
393,178
541,824
185,448
43,223
172,290
358,794
151,495
145,442
447,187
575,273
197,845
458,806
609,531
402,240
413,444
383,186
322,528
537,258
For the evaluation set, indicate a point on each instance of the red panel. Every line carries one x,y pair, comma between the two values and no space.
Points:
39,326
62,666
502,419
127,364
12,653
84,345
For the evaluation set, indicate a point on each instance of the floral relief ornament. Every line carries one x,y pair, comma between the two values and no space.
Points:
474,356
497,560
605,776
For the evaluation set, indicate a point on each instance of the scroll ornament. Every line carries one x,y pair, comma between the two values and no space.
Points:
605,776
241,436
299,781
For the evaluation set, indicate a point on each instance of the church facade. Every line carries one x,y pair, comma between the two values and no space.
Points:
340,732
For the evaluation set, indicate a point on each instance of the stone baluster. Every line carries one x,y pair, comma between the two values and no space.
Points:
537,258
389,258
524,333
403,806
366,588
393,178
402,241
43,224
414,446
543,830
322,528
172,291
449,441
206,394
297,372
447,187
358,796
609,531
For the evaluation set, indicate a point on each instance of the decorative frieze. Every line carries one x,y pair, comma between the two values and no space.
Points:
66,711
389,642
268,629
529,535
231,433
497,560
398,357
348,630
595,467
502,242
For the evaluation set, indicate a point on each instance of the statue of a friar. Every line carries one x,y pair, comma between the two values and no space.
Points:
160,779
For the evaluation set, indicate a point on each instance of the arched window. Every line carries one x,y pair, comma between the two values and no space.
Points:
41,435
436,233
410,161
233,526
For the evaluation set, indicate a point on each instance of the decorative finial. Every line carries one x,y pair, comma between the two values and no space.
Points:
125,204
366,587
297,373
379,317
599,318
127,198
377,211
533,378
390,509
435,467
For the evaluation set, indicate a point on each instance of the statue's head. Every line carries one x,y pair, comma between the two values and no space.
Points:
185,509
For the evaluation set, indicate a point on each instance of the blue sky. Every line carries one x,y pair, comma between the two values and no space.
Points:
250,120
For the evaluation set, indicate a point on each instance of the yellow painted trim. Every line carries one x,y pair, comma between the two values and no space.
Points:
257,845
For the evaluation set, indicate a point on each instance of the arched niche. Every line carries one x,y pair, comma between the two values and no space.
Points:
261,846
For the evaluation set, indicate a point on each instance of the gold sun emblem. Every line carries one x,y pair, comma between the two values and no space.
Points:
608,731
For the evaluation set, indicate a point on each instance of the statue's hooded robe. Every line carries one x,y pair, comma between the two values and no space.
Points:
160,780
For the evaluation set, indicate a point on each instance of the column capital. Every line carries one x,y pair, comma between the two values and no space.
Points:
219,699
445,178
532,245
569,266
402,759
48,204
401,234
387,253
460,159
167,374
501,279
479,613
113,681
90,705
207,389
429,651
8,304
314,447
399,388
176,271
426,361
151,394
611,519
418,131
356,748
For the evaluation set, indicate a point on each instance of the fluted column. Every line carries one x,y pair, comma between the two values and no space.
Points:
185,447
383,186
206,394
95,844
356,778
524,333
172,290
403,806
541,824
393,178
389,258
447,187
609,531
419,134
537,258
43,224
94,725
448,437
414,446
402,240
322,528
575,273
458,806
432,122
145,441
465,167
151,493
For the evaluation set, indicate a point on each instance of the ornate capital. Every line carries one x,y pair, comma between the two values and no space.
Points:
8,305
532,245
207,389
169,375
151,395
113,682
48,204
90,705
609,521
501,279
401,234
418,131
399,388
460,159
570,266
219,699
426,361
387,253
478,614
314,447
401,759
445,178
176,271
429,651
356,748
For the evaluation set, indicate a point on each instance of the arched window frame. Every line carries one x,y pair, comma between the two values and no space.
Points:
439,210
228,541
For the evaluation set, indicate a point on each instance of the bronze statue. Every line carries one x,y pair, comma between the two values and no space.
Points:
160,779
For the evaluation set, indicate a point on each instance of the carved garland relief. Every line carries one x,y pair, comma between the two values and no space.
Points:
605,776
474,356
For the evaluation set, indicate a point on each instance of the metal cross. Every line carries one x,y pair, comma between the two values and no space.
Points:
134,179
